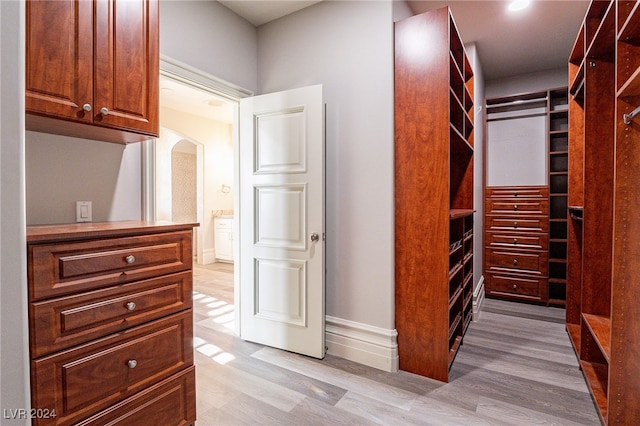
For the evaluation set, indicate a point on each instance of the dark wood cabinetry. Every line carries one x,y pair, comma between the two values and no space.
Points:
92,68
516,242
111,322
434,192
603,319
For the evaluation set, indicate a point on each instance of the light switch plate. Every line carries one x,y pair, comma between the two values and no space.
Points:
83,211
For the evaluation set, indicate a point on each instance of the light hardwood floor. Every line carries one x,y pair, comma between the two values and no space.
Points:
515,367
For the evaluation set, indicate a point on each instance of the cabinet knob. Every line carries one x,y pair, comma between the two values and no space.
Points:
515,287
131,306
515,261
515,241
515,207
515,194
104,111
86,107
130,259
132,363
515,224
315,237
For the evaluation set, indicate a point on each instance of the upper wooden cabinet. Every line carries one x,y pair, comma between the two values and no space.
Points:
92,68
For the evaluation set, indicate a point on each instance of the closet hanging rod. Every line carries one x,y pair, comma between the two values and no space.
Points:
628,117
518,102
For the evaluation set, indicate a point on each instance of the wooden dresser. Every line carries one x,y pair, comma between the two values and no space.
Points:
111,323
517,242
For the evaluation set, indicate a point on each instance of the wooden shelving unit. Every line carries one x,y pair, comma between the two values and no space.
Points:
558,143
434,192
603,315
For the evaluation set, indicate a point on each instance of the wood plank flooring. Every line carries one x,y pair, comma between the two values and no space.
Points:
515,367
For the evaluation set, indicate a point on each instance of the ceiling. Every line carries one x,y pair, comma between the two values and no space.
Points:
535,39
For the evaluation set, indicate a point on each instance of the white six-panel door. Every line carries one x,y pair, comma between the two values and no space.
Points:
282,290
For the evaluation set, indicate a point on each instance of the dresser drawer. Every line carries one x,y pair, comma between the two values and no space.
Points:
71,320
518,224
514,206
525,241
517,192
64,268
516,286
531,262
170,402
82,381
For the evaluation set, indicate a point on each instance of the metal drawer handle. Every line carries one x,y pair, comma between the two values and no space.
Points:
131,306
132,363
515,261
130,259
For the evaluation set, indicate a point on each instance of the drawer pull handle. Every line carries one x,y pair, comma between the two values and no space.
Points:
515,207
515,261
515,224
130,259
131,306
515,287
515,241
515,194
132,363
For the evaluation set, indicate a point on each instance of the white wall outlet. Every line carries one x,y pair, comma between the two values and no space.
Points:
83,211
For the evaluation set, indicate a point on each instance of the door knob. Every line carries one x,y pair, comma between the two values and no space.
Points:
315,237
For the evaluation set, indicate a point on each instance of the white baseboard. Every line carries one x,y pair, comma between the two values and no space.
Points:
208,256
362,343
478,298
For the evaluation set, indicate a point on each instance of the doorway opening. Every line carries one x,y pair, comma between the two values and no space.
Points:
195,181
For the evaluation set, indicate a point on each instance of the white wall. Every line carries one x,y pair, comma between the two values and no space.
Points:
532,82
61,170
348,48
211,38
14,367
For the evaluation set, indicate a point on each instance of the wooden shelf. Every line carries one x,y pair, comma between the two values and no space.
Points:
460,213
596,377
600,328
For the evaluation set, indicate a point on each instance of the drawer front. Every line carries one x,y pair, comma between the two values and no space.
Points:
170,402
515,206
532,262
224,223
82,381
71,320
517,192
516,286
517,241
518,224
63,268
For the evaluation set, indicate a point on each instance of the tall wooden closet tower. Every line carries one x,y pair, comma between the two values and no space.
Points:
433,192
603,288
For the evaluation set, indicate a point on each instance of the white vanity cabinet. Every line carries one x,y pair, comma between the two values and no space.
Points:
224,238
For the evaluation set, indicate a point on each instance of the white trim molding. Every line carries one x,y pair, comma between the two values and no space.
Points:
478,298
362,343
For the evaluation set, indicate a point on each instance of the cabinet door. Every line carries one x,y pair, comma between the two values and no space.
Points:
59,58
127,64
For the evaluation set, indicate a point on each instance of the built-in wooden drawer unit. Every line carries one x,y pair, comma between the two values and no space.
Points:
515,286
69,320
517,192
169,402
519,224
63,268
513,240
529,262
93,376
516,226
511,206
111,323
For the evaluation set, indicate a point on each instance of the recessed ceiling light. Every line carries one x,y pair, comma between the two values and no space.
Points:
516,5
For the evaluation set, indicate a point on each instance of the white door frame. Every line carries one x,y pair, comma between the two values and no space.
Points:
183,73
